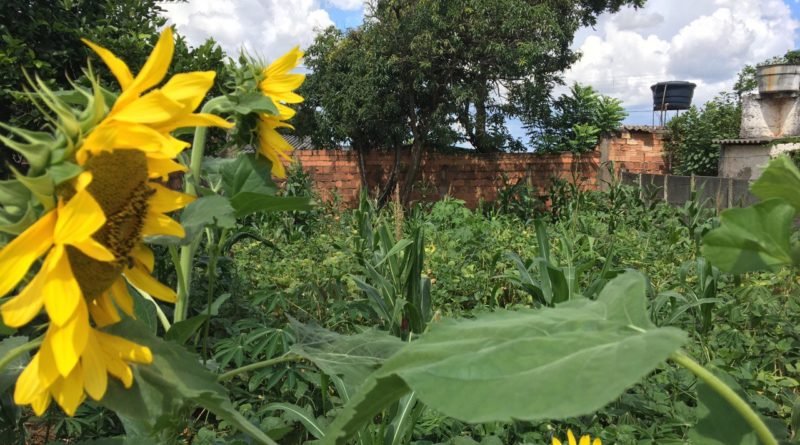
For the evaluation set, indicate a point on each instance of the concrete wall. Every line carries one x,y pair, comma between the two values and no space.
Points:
747,161
473,177
772,116
712,191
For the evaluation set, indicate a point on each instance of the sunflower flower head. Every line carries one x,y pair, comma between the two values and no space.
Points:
89,242
279,85
584,440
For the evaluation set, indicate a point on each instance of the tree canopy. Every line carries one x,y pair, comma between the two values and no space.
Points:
425,74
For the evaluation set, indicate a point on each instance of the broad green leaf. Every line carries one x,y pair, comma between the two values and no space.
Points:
175,380
718,423
247,173
781,179
752,238
216,304
246,203
206,211
8,375
350,357
254,102
553,363
303,415
183,330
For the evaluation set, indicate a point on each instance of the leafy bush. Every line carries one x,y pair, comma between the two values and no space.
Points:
691,135
577,120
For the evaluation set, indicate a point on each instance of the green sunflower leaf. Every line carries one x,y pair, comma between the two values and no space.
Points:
781,179
752,238
522,365
174,382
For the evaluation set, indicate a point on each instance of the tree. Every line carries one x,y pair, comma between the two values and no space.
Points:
42,37
691,135
445,62
577,120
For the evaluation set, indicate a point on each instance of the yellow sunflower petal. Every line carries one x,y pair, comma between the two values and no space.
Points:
144,256
280,88
140,278
121,296
284,63
22,308
103,311
95,378
152,108
69,341
41,403
68,391
165,200
158,224
161,168
118,68
189,88
79,219
597,442
62,294
196,120
571,438
94,249
29,384
556,441
119,369
18,255
153,71
584,440
124,349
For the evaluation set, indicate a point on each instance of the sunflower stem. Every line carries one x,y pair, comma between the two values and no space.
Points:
258,365
19,350
743,408
211,274
191,183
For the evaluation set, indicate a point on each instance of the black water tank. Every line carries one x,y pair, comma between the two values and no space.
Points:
674,95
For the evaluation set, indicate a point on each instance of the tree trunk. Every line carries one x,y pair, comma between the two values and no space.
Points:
362,168
481,141
391,183
413,169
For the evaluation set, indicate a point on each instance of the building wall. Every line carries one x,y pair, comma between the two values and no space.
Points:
474,177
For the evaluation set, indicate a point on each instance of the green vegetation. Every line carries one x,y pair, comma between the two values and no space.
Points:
691,134
296,291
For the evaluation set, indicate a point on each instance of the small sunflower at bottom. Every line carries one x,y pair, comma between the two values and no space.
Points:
584,440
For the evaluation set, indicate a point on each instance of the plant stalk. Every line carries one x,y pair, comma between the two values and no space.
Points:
258,365
743,408
190,188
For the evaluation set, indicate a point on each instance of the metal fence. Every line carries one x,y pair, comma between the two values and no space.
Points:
720,193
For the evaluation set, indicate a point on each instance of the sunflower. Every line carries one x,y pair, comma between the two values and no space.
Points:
142,119
92,241
279,85
585,440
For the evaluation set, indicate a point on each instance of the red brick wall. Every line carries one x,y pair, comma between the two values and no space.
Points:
473,177
639,151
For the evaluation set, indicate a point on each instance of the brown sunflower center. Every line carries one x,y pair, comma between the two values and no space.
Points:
119,185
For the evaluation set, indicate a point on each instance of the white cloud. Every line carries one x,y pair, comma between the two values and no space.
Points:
264,28
703,41
346,5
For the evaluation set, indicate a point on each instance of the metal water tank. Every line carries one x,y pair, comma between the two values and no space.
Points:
782,78
673,95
